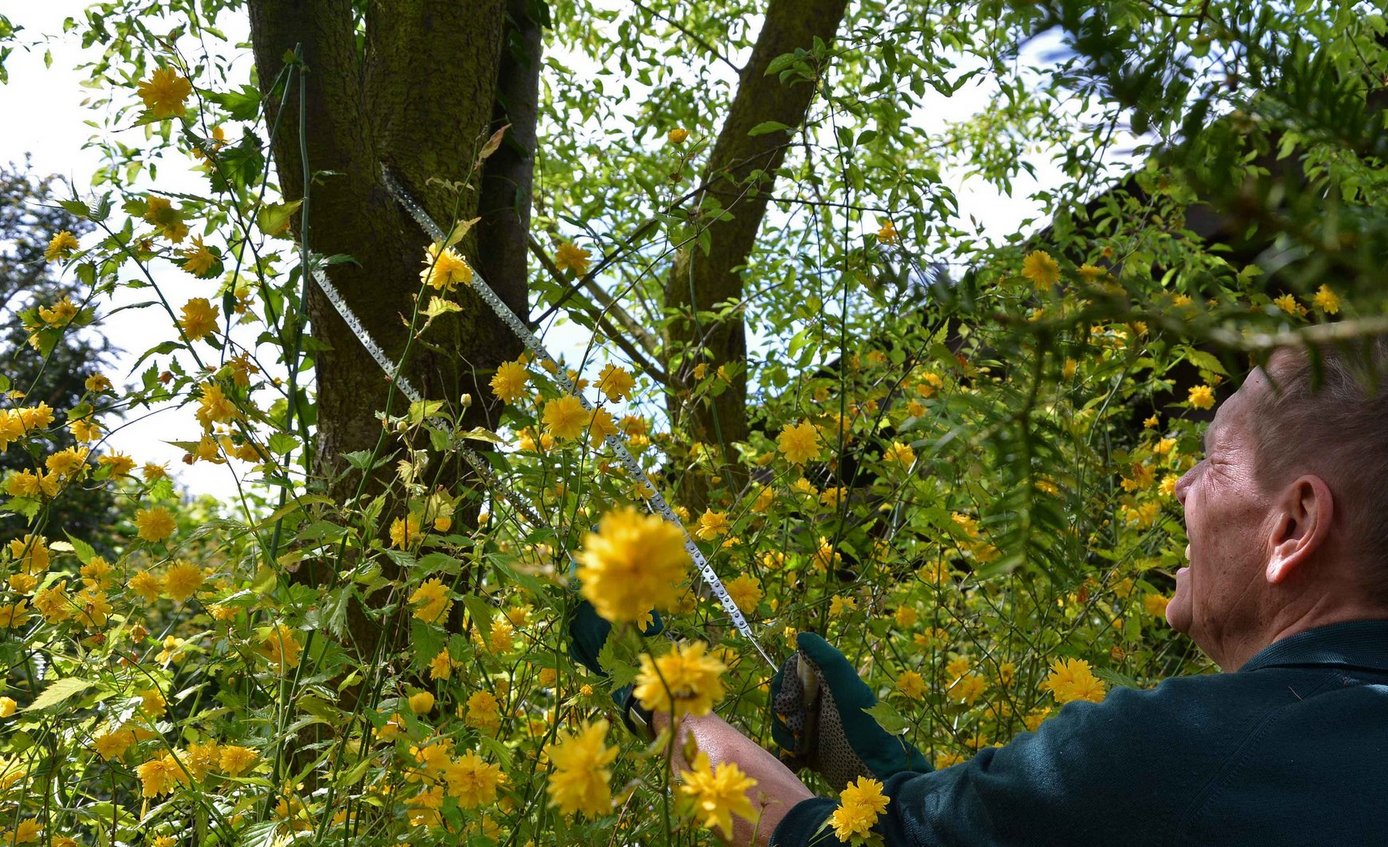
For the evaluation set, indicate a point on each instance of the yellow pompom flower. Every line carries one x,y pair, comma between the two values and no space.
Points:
483,711
565,417
472,781
281,647
718,793
712,525
899,453
508,383
199,318
745,591
887,232
441,666
1155,604
799,443
237,760
911,684
432,601
164,94
60,246
1072,679
198,260
615,383
182,580
1040,269
677,135
1201,397
860,805
154,524
159,776
580,775
444,269
404,531
632,564
570,257
1326,300
684,681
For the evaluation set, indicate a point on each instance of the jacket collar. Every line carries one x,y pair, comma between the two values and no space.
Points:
1356,644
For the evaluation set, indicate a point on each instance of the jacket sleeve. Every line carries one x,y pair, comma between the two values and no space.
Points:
1116,772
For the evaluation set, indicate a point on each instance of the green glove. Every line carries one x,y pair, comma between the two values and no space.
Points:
817,703
588,632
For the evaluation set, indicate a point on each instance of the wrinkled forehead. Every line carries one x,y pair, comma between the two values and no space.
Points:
1238,411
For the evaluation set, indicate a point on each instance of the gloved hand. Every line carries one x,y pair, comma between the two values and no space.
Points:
817,703
588,633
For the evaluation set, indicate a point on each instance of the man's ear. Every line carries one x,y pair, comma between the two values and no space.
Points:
1302,524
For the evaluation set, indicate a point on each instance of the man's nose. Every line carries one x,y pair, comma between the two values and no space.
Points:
1183,484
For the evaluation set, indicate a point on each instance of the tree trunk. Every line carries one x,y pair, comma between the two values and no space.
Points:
739,174
420,97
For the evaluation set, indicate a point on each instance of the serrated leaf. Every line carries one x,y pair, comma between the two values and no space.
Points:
59,692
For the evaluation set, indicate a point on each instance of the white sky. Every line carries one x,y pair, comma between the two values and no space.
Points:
45,119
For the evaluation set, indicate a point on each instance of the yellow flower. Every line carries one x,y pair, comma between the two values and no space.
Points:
860,804
765,497
712,525
901,454
838,605
887,232
911,684
600,426
906,616
14,614
54,603
1288,304
147,585
1155,604
154,524
67,462
198,260
683,681
1040,269
677,135
60,246
159,776
237,760
799,443
422,703
1326,300
441,666
164,93
281,647
444,269
581,771
718,793
472,781
199,318
404,531
31,552
169,220
508,383
632,564
84,429
1201,397
745,591
565,417
967,689
569,257
432,600
112,745
615,383
60,313
7,706
1072,679
182,580
26,832
152,702
483,711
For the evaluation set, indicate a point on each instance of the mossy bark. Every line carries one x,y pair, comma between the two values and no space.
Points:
415,86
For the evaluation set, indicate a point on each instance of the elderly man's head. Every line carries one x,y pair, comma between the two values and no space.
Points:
1286,512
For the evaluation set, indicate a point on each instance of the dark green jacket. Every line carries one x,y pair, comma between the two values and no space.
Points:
1292,749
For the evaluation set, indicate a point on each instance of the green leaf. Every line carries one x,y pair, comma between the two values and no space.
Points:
888,717
84,551
59,692
766,128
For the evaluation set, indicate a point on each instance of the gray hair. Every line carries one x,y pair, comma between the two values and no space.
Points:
1327,414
